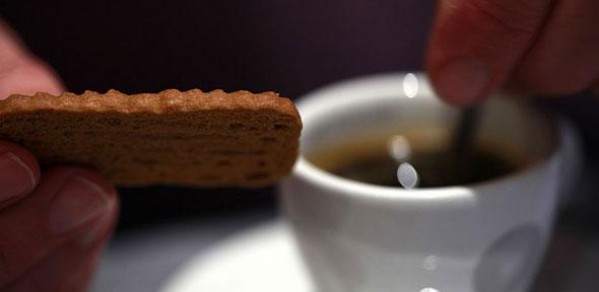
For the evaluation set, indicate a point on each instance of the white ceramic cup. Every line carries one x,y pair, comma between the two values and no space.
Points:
487,237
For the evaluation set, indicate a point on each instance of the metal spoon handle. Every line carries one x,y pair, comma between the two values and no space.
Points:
464,133
462,145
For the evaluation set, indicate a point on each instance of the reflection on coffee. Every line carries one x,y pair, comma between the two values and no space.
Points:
373,161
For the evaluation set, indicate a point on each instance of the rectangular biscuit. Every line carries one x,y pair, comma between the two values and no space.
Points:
190,138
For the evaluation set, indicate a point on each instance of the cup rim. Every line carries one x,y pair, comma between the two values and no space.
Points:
308,171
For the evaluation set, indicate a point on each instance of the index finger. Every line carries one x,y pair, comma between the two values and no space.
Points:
21,72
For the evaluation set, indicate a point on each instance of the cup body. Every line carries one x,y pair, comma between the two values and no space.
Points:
489,236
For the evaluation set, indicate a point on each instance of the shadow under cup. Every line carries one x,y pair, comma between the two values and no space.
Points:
360,237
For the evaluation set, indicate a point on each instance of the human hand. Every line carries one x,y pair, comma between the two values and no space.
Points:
544,46
53,225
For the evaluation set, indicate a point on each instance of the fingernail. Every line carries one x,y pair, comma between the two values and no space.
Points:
463,81
77,202
95,232
15,177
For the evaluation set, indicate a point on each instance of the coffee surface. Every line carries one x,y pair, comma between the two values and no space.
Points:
372,162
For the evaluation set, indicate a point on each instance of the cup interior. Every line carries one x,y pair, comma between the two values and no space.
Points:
396,104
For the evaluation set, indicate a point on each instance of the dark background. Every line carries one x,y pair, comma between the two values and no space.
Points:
286,46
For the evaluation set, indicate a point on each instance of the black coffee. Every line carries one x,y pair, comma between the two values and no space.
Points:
372,163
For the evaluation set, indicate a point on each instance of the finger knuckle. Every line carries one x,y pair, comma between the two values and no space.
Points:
515,17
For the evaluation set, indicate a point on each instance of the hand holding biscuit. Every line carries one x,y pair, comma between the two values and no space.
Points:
54,224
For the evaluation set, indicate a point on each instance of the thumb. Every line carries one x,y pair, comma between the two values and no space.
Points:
476,43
